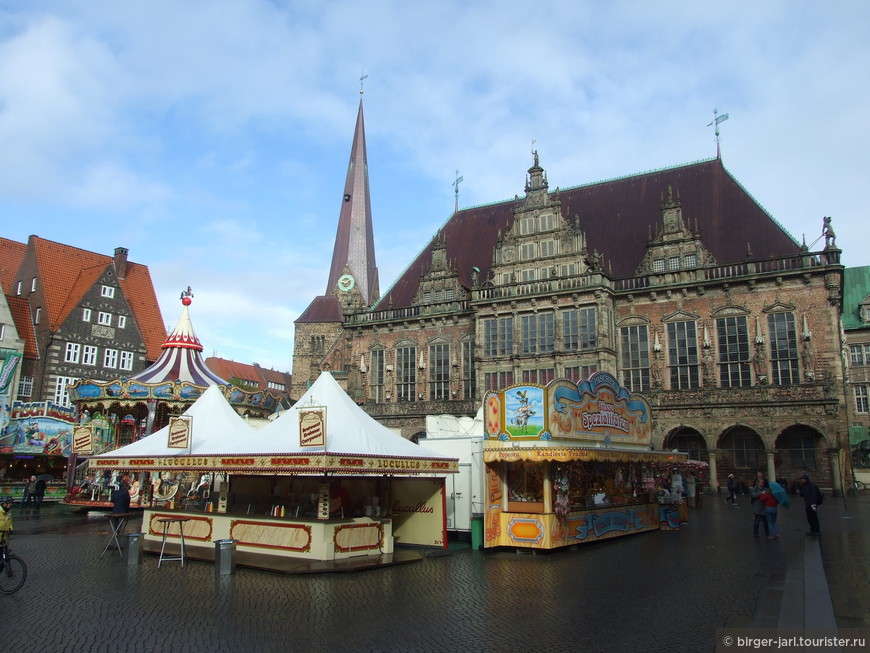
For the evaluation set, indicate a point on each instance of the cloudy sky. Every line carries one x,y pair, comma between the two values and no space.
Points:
211,138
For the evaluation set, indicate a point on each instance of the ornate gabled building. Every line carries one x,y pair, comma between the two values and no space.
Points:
675,281
856,327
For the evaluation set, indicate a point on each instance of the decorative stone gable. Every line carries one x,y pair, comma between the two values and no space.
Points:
440,284
674,247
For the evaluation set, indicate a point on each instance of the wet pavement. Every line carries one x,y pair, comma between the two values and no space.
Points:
658,591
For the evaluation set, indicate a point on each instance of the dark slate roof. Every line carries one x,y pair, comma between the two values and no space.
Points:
617,217
323,308
856,287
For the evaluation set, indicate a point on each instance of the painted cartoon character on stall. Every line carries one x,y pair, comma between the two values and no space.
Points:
525,410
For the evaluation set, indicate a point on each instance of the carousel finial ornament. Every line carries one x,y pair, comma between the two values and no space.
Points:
186,296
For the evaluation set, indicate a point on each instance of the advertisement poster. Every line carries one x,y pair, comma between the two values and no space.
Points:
418,510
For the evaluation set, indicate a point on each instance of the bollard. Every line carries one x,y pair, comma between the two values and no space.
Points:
134,547
224,557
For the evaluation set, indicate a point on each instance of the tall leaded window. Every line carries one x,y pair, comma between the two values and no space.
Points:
541,377
25,387
469,380
61,396
635,357
683,355
783,348
861,403
498,336
497,380
376,375
126,361
733,336
73,350
439,371
744,448
578,329
89,355
406,374
538,334
110,358
579,372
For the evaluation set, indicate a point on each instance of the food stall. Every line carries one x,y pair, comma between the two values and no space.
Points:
571,463
323,481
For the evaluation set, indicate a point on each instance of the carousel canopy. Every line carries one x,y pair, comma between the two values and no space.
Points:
181,359
215,428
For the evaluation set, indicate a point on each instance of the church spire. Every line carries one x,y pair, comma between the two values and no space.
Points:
353,259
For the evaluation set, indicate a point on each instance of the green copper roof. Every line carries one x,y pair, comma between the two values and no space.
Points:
856,282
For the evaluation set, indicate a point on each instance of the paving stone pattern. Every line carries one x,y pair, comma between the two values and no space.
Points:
660,591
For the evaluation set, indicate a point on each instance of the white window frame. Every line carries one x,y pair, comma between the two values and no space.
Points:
861,401
549,248
527,251
38,315
61,394
110,358
33,285
104,318
2,330
122,321
86,315
125,361
673,263
658,265
690,261
20,288
89,355
25,386
547,222
71,355
107,291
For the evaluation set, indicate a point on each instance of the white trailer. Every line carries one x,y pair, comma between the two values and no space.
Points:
462,438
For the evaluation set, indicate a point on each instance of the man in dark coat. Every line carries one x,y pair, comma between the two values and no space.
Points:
812,499
121,497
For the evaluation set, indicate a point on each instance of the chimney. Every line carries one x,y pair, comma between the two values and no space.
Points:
121,262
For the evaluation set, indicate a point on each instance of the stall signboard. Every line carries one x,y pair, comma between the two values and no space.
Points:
418,510
597,410
37,428
83,440
312,426
180,432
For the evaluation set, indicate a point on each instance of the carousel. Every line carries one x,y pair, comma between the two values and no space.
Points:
112,414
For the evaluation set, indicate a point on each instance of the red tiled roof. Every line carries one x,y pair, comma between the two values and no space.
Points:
323,308
20,309
11,255
617,217
234,370
68,272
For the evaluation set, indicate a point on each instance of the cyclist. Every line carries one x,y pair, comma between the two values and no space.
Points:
5,518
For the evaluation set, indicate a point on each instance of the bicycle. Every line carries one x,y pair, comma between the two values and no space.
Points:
13,571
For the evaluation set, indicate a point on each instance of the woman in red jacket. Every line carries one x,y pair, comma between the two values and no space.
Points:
770,506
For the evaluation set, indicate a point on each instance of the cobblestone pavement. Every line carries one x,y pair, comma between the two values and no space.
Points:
659,591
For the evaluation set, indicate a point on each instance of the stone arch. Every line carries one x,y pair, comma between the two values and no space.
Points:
415,438
741,452
803,449
689,439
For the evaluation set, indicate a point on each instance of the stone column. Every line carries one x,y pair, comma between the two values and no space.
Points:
714,480
836,479
771,467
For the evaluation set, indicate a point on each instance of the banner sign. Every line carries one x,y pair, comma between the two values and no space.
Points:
7,370
312,426
180,432
83,440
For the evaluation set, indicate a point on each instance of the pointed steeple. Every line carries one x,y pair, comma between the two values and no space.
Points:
354,239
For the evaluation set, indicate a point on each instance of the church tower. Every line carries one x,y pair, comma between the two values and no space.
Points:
353,279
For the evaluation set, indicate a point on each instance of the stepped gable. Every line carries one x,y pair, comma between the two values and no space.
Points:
617,217
181,359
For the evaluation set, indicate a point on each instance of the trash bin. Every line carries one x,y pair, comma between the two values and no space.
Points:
133,547
477,532
224,557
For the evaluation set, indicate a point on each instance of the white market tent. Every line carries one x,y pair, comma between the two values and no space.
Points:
354,442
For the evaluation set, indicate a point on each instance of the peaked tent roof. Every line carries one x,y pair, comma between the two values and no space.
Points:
349,429
181,359
216,429
617,217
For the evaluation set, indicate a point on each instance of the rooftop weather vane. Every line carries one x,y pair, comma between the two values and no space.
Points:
455,185
716,120
362,79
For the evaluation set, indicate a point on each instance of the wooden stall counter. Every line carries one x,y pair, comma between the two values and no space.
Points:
547,531
282,537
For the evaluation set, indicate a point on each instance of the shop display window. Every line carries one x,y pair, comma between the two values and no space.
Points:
525,487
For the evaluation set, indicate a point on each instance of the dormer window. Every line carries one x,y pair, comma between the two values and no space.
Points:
548,248
527,251
19,288
33,285
674,263
107,291
548,222
527,226
659,265
690,261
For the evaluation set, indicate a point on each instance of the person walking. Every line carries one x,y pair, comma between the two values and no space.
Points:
758,510
732,497
770,512
39,492
691,483
812,498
